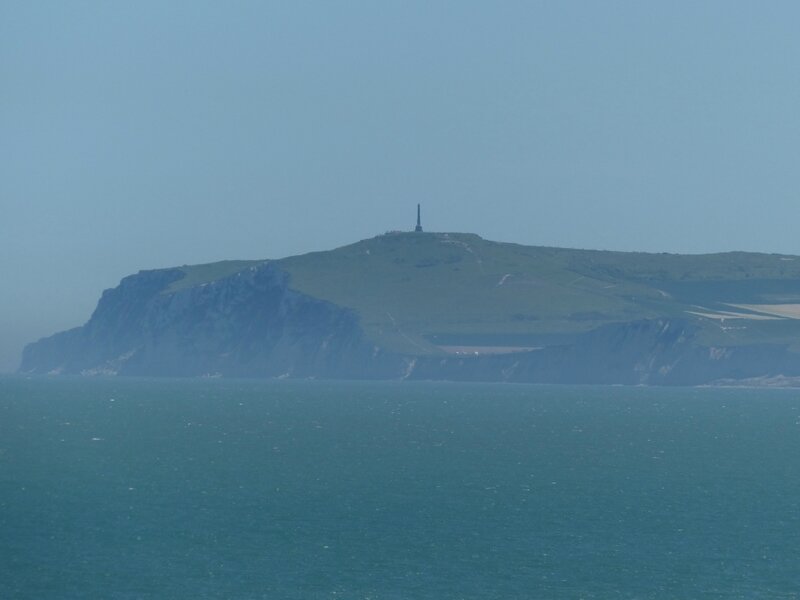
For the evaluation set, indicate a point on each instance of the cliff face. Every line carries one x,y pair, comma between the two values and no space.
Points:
247,324
646,352
252,324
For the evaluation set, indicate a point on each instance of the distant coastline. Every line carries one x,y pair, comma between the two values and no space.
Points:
449,306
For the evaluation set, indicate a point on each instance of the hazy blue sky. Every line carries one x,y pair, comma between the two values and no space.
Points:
150,134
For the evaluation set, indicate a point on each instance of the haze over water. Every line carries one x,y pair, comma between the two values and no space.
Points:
245,489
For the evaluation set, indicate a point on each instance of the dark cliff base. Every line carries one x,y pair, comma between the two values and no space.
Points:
252,324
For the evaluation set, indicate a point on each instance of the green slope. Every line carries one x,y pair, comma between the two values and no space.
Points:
408,286
416,290
200,274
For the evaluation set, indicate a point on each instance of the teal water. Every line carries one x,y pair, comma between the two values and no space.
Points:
239,489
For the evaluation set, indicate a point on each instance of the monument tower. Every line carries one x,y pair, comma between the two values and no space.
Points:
418,228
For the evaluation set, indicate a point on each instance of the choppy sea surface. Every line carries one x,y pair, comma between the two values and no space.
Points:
115,488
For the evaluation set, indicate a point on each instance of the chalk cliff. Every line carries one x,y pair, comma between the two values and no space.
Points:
247,324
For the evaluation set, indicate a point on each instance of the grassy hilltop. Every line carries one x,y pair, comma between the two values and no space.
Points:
420,292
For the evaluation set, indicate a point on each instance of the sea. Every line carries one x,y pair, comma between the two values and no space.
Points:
166,488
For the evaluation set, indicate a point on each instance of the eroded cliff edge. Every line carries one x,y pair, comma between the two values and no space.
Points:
249,324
